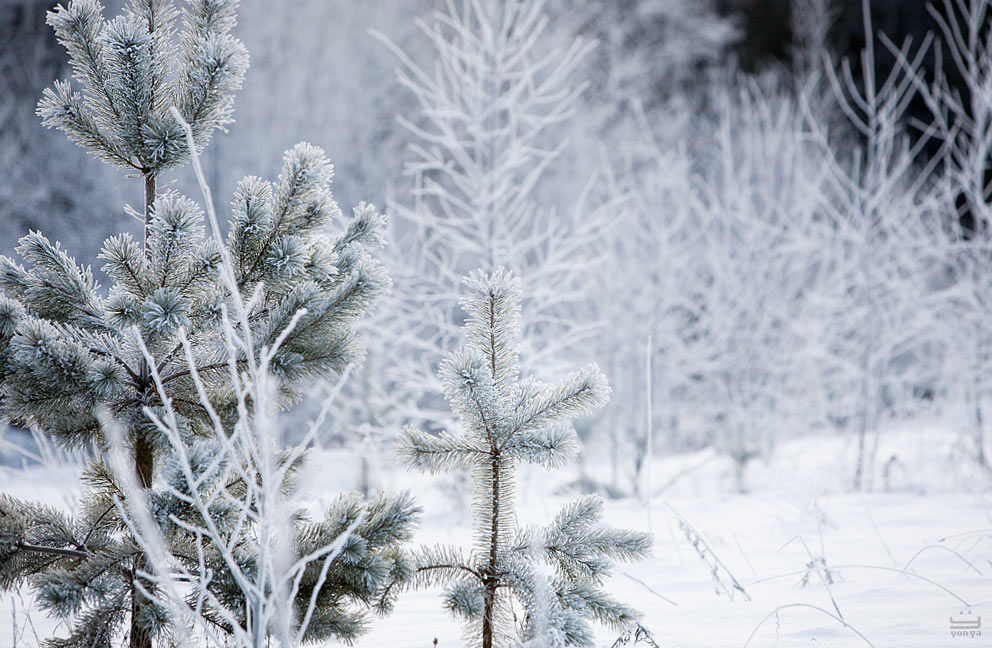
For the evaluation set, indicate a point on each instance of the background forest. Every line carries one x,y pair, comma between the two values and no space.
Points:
690,122
767,221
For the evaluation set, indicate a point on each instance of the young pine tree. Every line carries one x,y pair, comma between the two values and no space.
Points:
72,356
508,420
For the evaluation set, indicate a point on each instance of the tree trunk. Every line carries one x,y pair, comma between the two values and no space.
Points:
648,426
740,467
979,430
491,581
859,469
144,459
487,617
869,388
144,466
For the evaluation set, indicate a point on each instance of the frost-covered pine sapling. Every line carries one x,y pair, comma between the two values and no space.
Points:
223,565
555,573
67,351
132,70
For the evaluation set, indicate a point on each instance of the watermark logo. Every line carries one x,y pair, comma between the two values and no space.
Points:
966,625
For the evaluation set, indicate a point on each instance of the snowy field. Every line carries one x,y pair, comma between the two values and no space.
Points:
903,562
760,230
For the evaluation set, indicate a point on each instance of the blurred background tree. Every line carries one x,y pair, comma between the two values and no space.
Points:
649,50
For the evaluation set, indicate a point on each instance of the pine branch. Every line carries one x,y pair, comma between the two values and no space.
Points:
54,551
436,453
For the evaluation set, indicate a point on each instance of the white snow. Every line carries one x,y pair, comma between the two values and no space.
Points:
936,523
797,496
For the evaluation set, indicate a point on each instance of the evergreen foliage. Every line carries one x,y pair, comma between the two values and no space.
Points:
133,70
73,357
68,353
509,420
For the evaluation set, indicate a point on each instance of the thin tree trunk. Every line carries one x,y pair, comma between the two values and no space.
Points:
491,581
863,472
649,425
981,457
144,457
144,466
739,465
979,421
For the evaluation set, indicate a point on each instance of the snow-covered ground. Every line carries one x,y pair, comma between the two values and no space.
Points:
905,562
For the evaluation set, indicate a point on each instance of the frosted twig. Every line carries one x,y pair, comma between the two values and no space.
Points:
775,613
967,562
636,636
708,556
